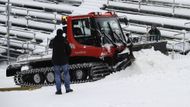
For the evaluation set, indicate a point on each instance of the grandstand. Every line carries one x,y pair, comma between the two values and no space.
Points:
33,21
171,17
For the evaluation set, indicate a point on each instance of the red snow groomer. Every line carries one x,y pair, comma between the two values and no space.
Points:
99,47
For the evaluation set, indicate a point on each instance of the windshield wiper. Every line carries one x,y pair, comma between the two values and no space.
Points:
103,34
113,32
108,38
120,38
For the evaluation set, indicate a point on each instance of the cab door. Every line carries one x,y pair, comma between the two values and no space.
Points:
85,41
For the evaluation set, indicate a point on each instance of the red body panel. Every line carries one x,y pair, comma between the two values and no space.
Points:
87,50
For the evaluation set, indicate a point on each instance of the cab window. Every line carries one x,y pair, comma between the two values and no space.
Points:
82,32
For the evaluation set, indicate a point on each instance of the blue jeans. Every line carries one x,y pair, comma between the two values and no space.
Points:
57,70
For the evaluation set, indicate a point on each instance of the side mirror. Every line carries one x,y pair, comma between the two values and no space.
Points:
124,20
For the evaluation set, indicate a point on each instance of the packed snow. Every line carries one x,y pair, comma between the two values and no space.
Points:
153,80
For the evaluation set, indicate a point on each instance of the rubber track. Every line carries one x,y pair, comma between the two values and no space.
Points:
19,81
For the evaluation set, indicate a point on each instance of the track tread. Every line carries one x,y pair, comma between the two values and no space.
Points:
96,67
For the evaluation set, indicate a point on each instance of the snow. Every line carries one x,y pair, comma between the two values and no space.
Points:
2,50
63,7
157,20
177,2
153,80
32,12
30,23
153,8
186,2
89,6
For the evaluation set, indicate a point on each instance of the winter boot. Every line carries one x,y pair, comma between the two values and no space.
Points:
69,90
58,92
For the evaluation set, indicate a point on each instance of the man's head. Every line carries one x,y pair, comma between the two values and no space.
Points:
59,32
153,26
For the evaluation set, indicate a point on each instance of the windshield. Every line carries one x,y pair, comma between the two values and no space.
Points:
111,28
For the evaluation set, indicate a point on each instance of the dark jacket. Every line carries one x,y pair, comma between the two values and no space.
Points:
154,32
61,50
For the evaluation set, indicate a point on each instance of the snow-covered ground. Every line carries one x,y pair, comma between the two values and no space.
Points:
154,80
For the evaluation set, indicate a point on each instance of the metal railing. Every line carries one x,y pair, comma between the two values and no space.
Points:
140,3
183,41
180,47
28,14
44,51
27,48
32,14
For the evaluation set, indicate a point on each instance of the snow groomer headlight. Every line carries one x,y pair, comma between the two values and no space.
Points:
25,67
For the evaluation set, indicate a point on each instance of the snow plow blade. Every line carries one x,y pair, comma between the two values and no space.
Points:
160,46
123,64
124,60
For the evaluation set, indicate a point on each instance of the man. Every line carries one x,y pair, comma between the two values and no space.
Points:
154,33
60,60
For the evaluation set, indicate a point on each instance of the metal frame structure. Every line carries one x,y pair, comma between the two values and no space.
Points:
8,31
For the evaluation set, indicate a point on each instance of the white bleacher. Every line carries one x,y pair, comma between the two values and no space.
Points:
25,12
27,45
160,20
2,50
25,34
168,33
182,2
173,2
36,4
32,13
158,12
27,22
152,8
178,24
31,21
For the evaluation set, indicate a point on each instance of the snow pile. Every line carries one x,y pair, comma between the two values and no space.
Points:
154,80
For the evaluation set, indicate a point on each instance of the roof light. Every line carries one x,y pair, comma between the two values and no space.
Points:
111,13
64,18
95,13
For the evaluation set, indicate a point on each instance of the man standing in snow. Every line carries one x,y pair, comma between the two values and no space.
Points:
154,33
60,59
